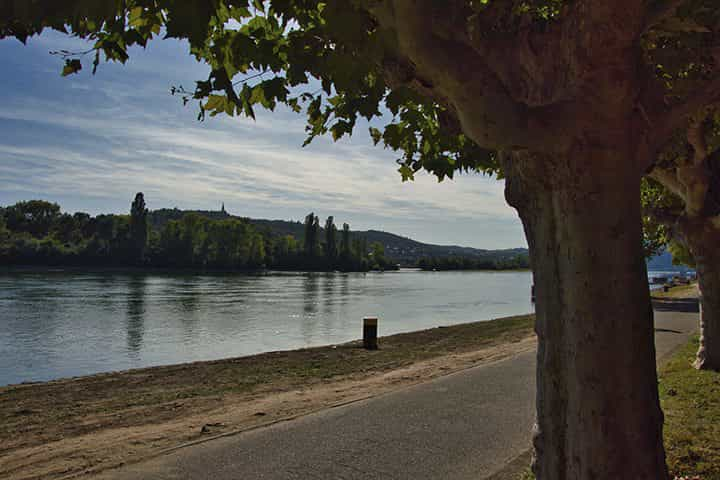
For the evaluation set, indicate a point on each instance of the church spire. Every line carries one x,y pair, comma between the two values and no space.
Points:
222,208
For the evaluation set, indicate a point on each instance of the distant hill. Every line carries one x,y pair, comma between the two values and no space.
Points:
158,218
408,251
403,250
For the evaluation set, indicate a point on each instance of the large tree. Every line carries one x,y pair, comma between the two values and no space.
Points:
311,237
580,95
35,217
331,250
345,252
138,228
689,204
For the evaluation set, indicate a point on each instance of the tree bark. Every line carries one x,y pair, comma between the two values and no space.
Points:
704,247
598,412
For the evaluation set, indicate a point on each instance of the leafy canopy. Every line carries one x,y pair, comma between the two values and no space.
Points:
656,234
320,58
336,63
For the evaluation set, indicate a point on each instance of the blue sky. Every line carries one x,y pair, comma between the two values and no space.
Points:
90,142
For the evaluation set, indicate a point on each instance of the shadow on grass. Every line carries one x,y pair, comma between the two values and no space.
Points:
687,305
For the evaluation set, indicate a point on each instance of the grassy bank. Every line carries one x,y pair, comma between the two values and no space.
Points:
691,401
107,419
677,291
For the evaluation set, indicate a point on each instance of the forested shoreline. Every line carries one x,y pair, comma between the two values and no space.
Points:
37,232
516,262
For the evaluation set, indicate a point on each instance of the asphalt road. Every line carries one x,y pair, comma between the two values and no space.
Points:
466,425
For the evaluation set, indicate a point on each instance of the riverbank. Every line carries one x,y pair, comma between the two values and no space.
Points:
677,291
69,428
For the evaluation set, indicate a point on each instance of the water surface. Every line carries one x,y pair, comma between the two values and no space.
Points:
61,324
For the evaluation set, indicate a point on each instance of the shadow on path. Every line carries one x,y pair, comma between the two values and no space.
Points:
667,330
687,305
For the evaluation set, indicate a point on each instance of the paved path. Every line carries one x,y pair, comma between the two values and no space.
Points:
467,425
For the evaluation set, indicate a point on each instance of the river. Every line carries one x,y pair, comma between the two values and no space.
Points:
56,324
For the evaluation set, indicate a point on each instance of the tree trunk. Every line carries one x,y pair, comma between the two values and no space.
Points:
598,412
704,247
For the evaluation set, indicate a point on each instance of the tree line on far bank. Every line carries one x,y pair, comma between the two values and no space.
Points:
515,262
36,232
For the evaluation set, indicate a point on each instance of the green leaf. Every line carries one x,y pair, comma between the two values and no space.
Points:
406,173
376,135
427,146
135,16
71,66
215,102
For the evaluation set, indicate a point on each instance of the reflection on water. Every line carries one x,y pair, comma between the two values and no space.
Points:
59,324
189,300
310,294
135,313
189,305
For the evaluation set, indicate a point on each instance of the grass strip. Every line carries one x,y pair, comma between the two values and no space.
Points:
690,399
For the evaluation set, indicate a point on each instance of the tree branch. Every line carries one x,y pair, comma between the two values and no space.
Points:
669,121
545,61
520,81
689,179
663,216
440,65
696,139
669,180
661,12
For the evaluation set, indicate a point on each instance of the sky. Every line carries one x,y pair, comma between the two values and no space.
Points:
90,142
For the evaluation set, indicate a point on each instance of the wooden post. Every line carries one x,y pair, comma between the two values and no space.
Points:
370,330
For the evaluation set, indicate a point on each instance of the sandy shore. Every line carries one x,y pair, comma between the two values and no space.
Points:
77,427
